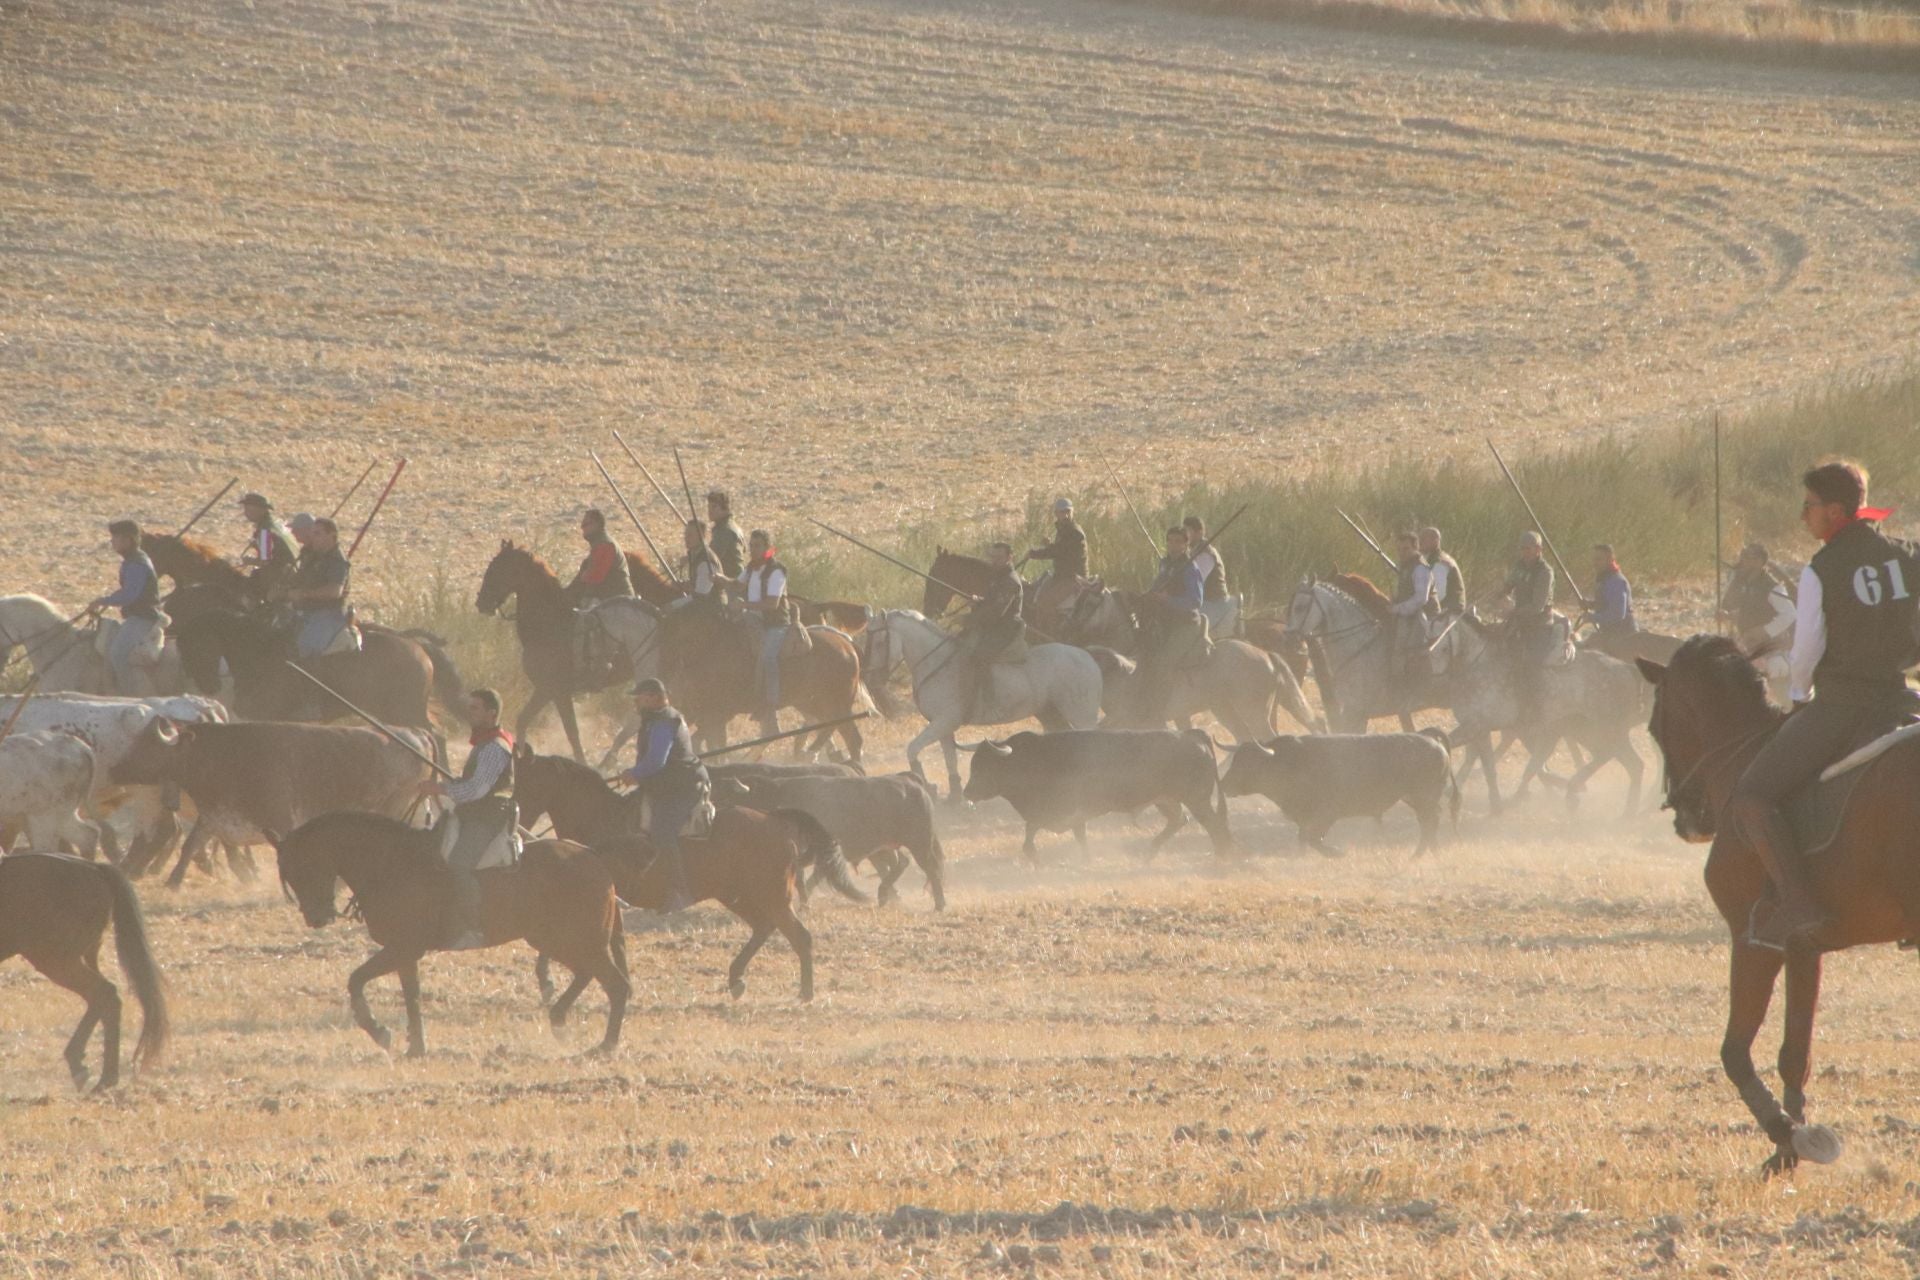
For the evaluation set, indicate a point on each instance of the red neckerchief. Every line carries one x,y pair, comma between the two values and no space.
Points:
1864,513
481,737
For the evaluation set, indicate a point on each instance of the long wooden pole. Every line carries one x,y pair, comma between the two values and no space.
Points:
381,502
341,505
1153,548
684,486
918,573
1537,526
1719,587
1368,539
224,490
786,733
635,458
628,508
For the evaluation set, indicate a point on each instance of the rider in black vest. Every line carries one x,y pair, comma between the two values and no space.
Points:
673,779
1853,642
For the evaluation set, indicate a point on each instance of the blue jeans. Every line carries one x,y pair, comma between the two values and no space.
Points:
131,679
318,630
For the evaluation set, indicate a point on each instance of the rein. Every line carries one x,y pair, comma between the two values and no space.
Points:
1725,748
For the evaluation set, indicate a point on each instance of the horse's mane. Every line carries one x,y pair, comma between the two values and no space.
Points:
201,553
528,554
1363,593
942,555
1724,664
570,770
649,583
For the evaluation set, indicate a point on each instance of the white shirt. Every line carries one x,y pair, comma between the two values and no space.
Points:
490,761
1437,575
1205,562
1422,585
775,585
1809,637
703,578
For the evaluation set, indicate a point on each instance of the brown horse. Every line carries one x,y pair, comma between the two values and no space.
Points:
544,623
969,574
53,912
708,660
749,861
193,563
1710,716
560,899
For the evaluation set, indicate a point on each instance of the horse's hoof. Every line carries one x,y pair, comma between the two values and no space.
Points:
601,1050
736,988
107,1085
1818,1143
1779,1164
806,995
558,1027
416,1051
383,1038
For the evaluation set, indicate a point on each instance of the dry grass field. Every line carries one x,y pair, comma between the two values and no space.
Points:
881,261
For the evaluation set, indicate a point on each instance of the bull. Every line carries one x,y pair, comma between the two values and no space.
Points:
870,818
1057,781
1319,780
46,787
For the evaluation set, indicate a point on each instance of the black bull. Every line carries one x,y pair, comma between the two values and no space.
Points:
1057,781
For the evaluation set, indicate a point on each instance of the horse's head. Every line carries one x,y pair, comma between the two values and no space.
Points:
307,876
503,577
1707,702
1306,614
938,595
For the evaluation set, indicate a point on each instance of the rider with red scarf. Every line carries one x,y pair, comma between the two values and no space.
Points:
488,773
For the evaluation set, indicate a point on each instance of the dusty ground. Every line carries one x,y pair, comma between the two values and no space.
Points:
874,260
1501,1061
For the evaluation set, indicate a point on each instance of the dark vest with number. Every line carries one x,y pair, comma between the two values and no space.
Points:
1867,586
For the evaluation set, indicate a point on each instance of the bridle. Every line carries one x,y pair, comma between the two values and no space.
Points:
1676,791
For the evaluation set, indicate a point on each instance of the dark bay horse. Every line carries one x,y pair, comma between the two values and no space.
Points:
708,660
1711,714
750,862
394,676
970,574
560,899
54,910
543,621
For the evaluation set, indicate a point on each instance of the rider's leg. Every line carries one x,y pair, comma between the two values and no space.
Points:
1810,740
666,818
770,642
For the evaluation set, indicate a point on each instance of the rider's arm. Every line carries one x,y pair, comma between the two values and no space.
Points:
653,756
1414,603
1610,600
133,580
1809,637
487,769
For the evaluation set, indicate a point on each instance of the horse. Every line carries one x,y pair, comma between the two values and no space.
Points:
393,676
58,650
1352,650
1711,714
1235,679
559,898
969,574
1058,684
544,623
750,862
709,659
54,910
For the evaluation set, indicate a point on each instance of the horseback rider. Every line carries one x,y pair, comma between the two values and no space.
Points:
1854,639
1176,622
318,592
487,773
1413,601
702,581
673,779
1612,611
1068,556
763,591
1753,602
269,557
1447,589
138,599
1223,613
993,624
1529,628
603,574
301,527
724,535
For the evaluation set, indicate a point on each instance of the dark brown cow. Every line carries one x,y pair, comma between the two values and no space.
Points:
249,779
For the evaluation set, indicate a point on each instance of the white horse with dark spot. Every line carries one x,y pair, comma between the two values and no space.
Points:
1058,684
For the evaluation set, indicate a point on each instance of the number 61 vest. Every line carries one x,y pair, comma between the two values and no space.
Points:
1867,586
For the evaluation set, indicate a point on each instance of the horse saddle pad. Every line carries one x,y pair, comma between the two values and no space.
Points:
482,834
699,822
1815,811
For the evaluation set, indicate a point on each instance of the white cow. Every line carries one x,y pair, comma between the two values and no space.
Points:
111,726
46,786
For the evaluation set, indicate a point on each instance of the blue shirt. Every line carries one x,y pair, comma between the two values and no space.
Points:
653,750
1613,600
1184,584
138,586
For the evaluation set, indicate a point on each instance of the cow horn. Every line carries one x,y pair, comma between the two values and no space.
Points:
998,748
165,731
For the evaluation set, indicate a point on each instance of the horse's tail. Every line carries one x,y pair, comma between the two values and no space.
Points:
447,683
137,963
819,848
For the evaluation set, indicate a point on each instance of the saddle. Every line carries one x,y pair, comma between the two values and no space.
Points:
151,648
1816,811
482,834
699,823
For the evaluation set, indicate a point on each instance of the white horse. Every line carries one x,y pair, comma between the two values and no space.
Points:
625,630
58,650
1058,684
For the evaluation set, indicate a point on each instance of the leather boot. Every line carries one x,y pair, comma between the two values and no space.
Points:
465,933
1797,918
674,864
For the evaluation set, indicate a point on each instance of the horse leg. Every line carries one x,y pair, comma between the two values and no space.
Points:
410,990
853,740
951,751
240,862
802,942
620,739
571,723
1406,722
610,971
557,1012
1481,749
536,703
1750,982
78,975
543,977
737,971
1796,1041
378,965
190,850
